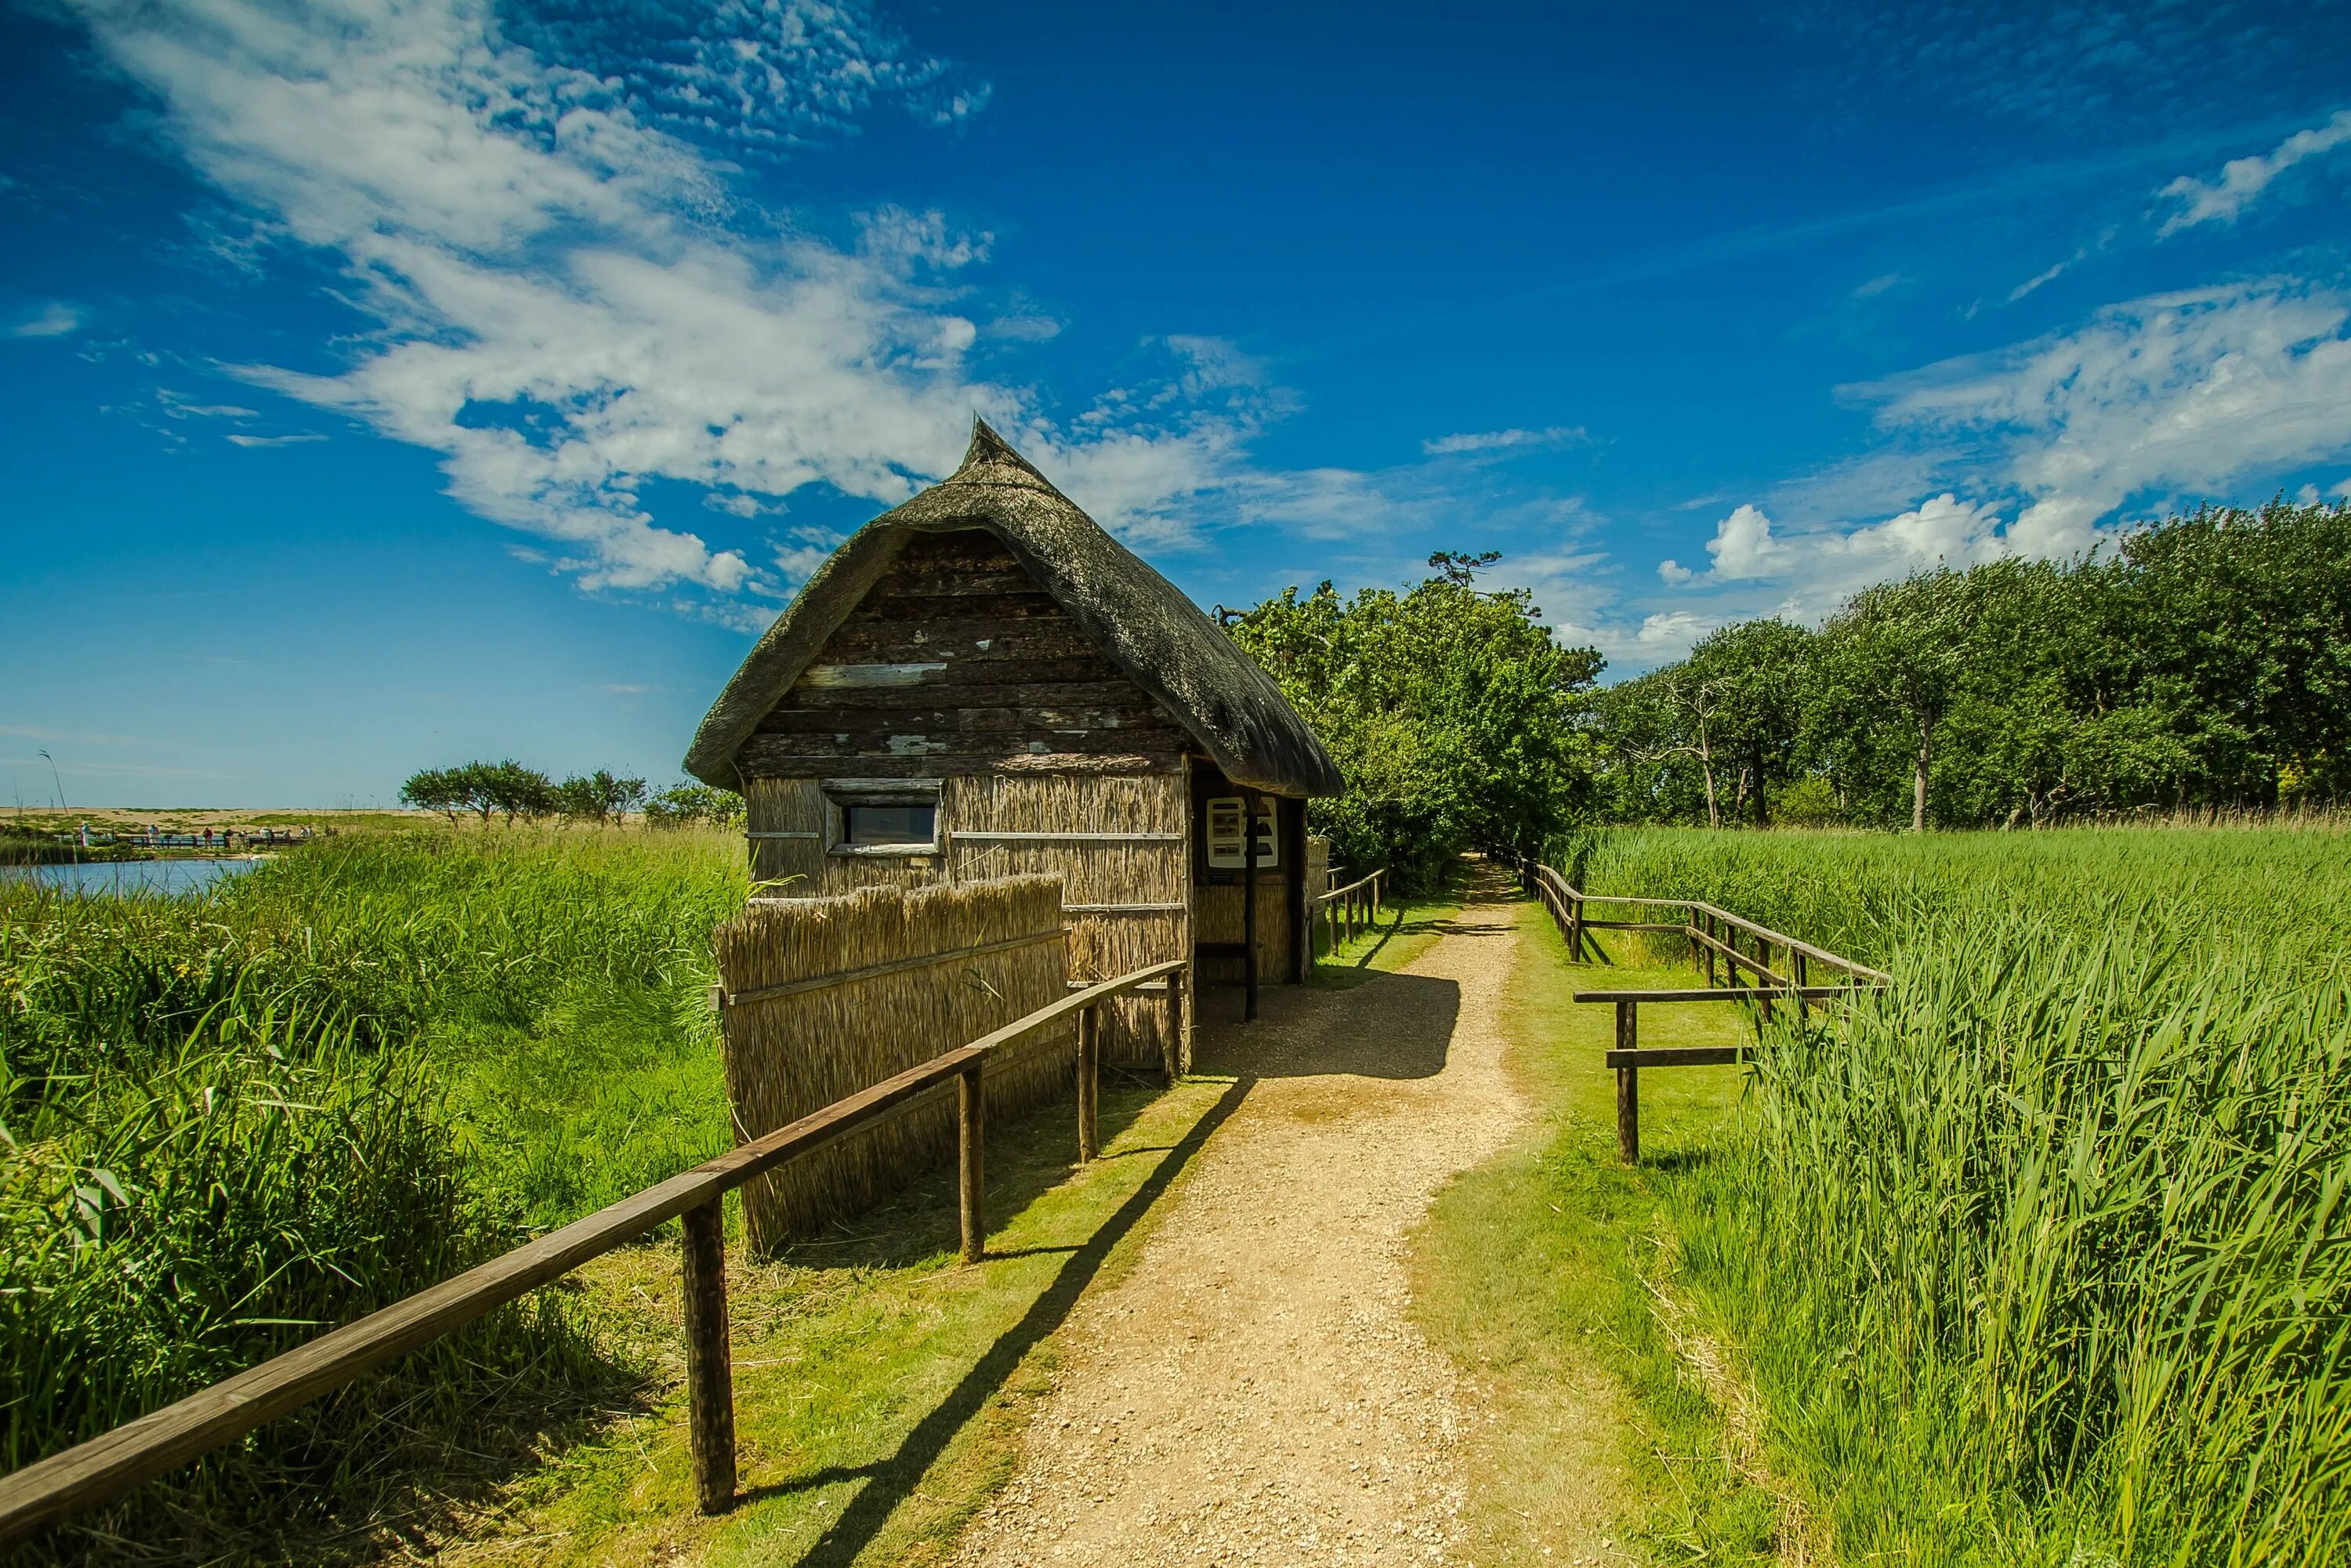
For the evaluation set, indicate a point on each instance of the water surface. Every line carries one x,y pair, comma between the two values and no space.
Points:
163,879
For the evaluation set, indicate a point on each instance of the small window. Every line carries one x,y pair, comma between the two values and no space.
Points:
881,817
863,825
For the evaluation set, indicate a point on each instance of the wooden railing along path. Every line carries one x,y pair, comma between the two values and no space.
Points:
98,1471
1344,911
1713,934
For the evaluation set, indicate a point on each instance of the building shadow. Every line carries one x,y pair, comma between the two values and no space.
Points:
1391,1025
891,1481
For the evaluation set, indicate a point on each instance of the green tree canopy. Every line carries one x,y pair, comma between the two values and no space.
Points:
1456,717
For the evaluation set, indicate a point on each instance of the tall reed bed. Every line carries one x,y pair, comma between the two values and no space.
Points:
2045,1254
226,1121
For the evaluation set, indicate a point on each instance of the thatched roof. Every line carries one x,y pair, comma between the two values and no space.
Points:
1145,625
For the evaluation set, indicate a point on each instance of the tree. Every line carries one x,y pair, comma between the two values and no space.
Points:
685,803
1456,718
598,796
441,790
510,788
1897,646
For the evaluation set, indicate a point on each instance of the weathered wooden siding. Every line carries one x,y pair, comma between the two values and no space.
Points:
958,663
957,668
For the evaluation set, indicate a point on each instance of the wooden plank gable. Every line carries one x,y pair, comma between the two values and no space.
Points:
957,662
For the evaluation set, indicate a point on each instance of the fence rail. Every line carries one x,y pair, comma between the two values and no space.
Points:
106,1466
1712,933
1344,911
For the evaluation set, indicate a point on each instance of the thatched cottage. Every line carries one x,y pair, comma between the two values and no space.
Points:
983,681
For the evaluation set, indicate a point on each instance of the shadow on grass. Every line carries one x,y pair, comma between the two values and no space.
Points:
890,1482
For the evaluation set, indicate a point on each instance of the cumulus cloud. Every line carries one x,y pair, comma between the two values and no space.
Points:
2179,392
1503,440
568,302
2242,180
55,320
1815,567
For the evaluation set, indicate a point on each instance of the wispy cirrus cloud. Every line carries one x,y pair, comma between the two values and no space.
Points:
2043,448
55,320
569,300
2241,181
1492,441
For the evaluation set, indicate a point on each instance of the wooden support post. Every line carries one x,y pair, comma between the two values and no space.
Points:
1576,931
971,1128
1628,1085
1709,951
1088,1082
1249,908
1171,1050
709,1367
1803,979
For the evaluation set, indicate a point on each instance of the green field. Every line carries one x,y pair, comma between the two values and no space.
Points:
232,1118
2043,1256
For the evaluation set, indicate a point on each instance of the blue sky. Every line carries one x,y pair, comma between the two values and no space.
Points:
383,386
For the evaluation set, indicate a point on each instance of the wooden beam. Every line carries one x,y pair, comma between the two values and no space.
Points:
1729,994
1628,1083
971,1162
1677,1056
1248,905
709,1362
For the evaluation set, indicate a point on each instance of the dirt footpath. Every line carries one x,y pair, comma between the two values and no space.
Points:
1252,1391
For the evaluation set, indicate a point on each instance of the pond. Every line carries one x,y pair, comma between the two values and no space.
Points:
159,878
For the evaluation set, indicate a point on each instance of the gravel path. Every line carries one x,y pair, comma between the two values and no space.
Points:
1252,1390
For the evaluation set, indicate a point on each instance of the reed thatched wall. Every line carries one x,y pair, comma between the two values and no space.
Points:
1103,942
1000,952
1143,871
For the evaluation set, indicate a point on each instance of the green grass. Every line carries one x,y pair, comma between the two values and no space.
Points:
232,1118
1549,1274
2043,1256
882,1387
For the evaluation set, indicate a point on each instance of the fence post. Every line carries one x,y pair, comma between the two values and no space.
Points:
1171,1051
1709,950
1088,1079
1575,929
1628,1085
970,1119
709,1366
1802,975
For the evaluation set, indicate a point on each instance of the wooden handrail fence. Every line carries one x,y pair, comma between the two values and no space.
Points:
1343,912
1713,934
102,1469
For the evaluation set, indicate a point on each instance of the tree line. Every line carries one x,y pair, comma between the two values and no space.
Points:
2199,661
514,792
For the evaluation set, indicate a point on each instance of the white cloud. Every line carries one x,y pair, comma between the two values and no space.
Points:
2179,392
568,300
1817,567
1742,546
55,320
2242,180
1503,440
266,441
2037,278
1877,286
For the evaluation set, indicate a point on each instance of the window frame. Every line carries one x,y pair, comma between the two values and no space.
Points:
841,794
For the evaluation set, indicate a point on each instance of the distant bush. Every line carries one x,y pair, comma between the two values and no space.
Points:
688,804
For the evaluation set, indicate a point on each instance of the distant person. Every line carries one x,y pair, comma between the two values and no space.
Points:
85,835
